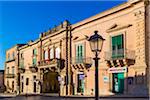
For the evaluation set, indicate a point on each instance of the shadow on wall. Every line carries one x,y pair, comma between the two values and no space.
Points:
2,89
132,86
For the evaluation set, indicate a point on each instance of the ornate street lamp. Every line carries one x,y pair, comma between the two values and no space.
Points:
96,44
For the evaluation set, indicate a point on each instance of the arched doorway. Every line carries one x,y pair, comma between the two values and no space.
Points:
50,82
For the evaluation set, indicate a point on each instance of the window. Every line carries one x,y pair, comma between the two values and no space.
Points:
34,61
46,55
7,70
21,55
13,70
13,55
79,53
51,53
34,52
21,64
27,81
8,56
117,46
57,52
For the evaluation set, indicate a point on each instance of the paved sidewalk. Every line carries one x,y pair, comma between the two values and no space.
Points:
7,95
103,96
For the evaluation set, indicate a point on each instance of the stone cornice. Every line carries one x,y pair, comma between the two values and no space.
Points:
105,13
118,28
29,44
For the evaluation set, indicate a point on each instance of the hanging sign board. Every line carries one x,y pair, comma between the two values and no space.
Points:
117,70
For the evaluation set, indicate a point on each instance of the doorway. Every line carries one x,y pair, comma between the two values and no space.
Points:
50,82
34,87
80,87
118,82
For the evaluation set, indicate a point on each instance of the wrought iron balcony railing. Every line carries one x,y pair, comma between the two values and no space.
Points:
59,62
79,60
120,54
10,75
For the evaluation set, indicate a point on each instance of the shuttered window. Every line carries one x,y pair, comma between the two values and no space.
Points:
34,61
34,52
57,52
51,53
117,46
79,52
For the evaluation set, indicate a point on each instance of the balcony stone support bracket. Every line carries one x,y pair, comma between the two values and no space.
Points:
112,63
21,70
33,69
125,61
118,62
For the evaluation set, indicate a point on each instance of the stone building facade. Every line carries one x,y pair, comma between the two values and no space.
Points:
11,69
60,60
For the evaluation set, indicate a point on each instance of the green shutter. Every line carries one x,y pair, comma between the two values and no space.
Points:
117,46
34,61
114,41
120,45
78,52
114,44
121,82
81,53
120,40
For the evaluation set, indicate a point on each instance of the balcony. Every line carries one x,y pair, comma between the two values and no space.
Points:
59,63
120,54
82,62
120,58
21,70
10,75
33,68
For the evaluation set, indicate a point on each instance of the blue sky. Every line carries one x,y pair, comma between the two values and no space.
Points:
21,21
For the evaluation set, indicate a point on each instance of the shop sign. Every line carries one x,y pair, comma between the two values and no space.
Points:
106,79
81,76
117,70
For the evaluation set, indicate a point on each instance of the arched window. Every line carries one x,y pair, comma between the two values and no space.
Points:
51,53
46,55
57,52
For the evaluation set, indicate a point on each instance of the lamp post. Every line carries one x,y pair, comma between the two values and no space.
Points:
96,44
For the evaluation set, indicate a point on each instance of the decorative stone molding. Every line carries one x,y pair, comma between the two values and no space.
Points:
117,27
